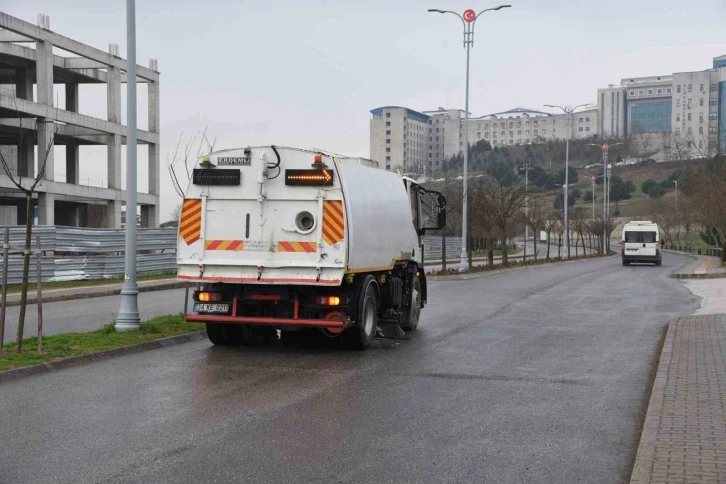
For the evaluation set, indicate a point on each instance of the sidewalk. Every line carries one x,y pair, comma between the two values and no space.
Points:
83,292
702,267
684,435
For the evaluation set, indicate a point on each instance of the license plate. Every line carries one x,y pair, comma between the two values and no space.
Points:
632,250
211,308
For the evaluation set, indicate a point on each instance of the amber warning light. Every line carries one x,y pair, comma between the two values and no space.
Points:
309,177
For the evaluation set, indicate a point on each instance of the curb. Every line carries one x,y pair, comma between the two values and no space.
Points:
643,466
713,275
105,293
80,360
481,274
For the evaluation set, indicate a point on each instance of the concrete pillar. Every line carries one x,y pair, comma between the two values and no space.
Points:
44,72
113,98
26,156
149,216
72,150
46,135
46,209
154,155
113,214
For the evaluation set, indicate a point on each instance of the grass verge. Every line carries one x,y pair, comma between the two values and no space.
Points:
73,344
47,286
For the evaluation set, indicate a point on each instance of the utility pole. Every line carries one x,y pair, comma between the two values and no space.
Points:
468,19
605,189
128,315
593,197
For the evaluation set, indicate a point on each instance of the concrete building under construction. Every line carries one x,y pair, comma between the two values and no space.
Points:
34,58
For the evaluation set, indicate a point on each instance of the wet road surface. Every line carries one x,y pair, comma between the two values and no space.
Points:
537,375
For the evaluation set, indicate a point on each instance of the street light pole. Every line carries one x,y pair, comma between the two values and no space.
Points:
605,188
593,198
526,167
468,19
128,315
568,110
676,182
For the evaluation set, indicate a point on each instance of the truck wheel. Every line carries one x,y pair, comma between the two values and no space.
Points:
217,334
413,313
359,337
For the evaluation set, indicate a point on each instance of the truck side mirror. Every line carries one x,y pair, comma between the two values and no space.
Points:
441,221
433,210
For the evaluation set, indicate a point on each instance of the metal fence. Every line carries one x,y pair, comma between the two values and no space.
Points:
72,253
432,247
712,251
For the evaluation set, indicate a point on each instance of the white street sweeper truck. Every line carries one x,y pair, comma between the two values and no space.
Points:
289,239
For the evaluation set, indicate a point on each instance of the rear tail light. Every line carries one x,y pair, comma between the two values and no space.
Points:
328,301
209,297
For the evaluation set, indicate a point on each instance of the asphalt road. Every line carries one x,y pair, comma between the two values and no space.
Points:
537,375
89,314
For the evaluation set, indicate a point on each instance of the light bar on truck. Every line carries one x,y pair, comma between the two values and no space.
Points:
314,177
217,176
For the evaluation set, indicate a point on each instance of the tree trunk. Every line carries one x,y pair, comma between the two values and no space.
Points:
490,250
443,250
535,244
505,255
559,246
26,271
548,244
584,247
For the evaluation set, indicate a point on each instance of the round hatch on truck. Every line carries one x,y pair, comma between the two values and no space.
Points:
305,222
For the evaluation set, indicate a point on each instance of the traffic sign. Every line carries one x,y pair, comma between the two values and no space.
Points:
469,15
605,147
593,178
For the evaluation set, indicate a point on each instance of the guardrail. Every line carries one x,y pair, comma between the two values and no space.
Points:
712,251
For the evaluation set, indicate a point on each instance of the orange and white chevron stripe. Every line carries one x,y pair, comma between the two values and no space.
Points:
297,246
333,222
235,245
190,223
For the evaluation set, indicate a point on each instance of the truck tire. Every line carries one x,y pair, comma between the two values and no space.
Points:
413,312
360,336
219,335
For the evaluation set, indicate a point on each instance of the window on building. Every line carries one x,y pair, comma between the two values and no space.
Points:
650,92
437,138
587,128
527,141
544,131
700,130
640,92
678,103
478,135
388,115
486,135
713,87
511,125
388,158
631,93
659,90
689,116
690,103
700,118
700,145
511,133
690,88
526,131
535,125
535,133
650,116
678,133
388,141
689,130
511,142
700,102
519,131
713,116
527,124
712,130
713,102
581,120
678,88
519,124
702,90
437,130
581,129
388,150
689,144
669,90
388,132
504,133
678,118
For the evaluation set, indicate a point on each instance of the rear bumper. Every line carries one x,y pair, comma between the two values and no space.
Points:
309,323
641,258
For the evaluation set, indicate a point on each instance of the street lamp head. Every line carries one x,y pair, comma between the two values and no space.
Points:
501,7
436,10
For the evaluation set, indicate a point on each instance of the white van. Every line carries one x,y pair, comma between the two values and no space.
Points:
641,243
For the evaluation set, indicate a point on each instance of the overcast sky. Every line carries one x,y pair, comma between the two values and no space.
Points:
306,73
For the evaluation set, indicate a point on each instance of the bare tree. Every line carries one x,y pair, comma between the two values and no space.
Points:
504,201
482,218
550,226
28,187
181,163
536,217
578,223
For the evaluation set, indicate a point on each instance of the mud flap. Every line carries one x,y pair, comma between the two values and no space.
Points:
390,330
